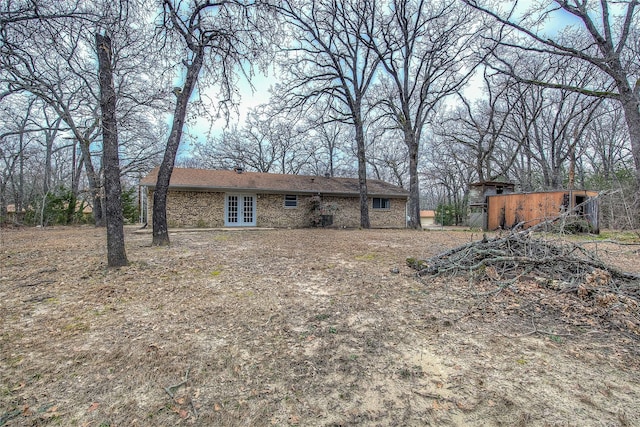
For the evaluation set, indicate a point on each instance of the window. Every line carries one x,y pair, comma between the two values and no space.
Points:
290,201
380,203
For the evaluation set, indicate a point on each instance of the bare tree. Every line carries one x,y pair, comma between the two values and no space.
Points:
604,41
424,47
329,63
215,37
481,126
329,141
116,254
40,56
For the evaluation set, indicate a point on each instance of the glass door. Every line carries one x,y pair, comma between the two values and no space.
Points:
240,210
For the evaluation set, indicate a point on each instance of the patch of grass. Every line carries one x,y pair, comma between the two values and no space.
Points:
417,264
620,236
104,310
366,257
410,372
246,294
14,360
76,326
555,338
321,317
333,330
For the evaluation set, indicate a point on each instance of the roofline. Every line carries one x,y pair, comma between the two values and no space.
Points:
544,192
481,183
274,191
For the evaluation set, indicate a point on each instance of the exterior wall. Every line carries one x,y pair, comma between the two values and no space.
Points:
394,217
507,210
478,193
191,209
272,213
206,209
427,218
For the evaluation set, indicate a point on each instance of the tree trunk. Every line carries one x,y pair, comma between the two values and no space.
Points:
362,174
413,220
116,255
94,182
631,107
160,227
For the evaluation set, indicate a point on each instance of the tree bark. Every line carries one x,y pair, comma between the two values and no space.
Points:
413,220
94,182
362,174
160,227
631,108
116,255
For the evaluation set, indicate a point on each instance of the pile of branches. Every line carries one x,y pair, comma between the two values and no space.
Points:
565,267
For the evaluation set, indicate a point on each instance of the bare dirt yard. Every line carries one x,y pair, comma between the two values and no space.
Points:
299,328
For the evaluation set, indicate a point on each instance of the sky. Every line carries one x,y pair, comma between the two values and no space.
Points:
251,97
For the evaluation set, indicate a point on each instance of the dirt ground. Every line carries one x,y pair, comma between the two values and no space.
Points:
295,327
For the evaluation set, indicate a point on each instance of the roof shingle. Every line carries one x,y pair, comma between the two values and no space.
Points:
225,180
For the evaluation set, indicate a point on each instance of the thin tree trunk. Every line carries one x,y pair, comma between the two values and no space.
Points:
160,227
116,255
94,182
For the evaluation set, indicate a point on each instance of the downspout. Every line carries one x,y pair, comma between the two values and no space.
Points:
143,197
406,213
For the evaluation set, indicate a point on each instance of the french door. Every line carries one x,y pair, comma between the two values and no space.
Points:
240,210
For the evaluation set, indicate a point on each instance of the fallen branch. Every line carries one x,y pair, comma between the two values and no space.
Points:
599,291
170,390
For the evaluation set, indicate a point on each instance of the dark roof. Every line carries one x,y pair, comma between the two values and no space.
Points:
207,179
492,184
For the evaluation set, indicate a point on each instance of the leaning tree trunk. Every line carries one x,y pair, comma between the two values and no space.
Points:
116,255
160,228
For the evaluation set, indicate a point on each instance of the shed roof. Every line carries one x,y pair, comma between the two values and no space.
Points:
225,180
492,184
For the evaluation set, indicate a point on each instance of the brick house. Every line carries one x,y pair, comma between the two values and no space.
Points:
233,198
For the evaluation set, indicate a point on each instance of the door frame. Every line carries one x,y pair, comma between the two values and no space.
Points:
241,207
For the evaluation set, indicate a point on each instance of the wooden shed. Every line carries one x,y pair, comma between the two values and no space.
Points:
478,193
507,210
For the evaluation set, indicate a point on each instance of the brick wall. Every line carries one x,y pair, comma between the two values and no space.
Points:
192,209
206,209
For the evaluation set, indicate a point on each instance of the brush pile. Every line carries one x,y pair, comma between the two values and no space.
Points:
521,261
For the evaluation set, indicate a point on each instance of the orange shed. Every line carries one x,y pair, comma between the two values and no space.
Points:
507,210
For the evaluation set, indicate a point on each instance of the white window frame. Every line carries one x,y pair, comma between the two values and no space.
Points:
384,203
293,198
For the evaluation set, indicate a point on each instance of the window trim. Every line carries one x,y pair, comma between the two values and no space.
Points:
384,203
290,200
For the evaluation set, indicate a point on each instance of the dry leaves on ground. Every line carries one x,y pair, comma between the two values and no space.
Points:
295,327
